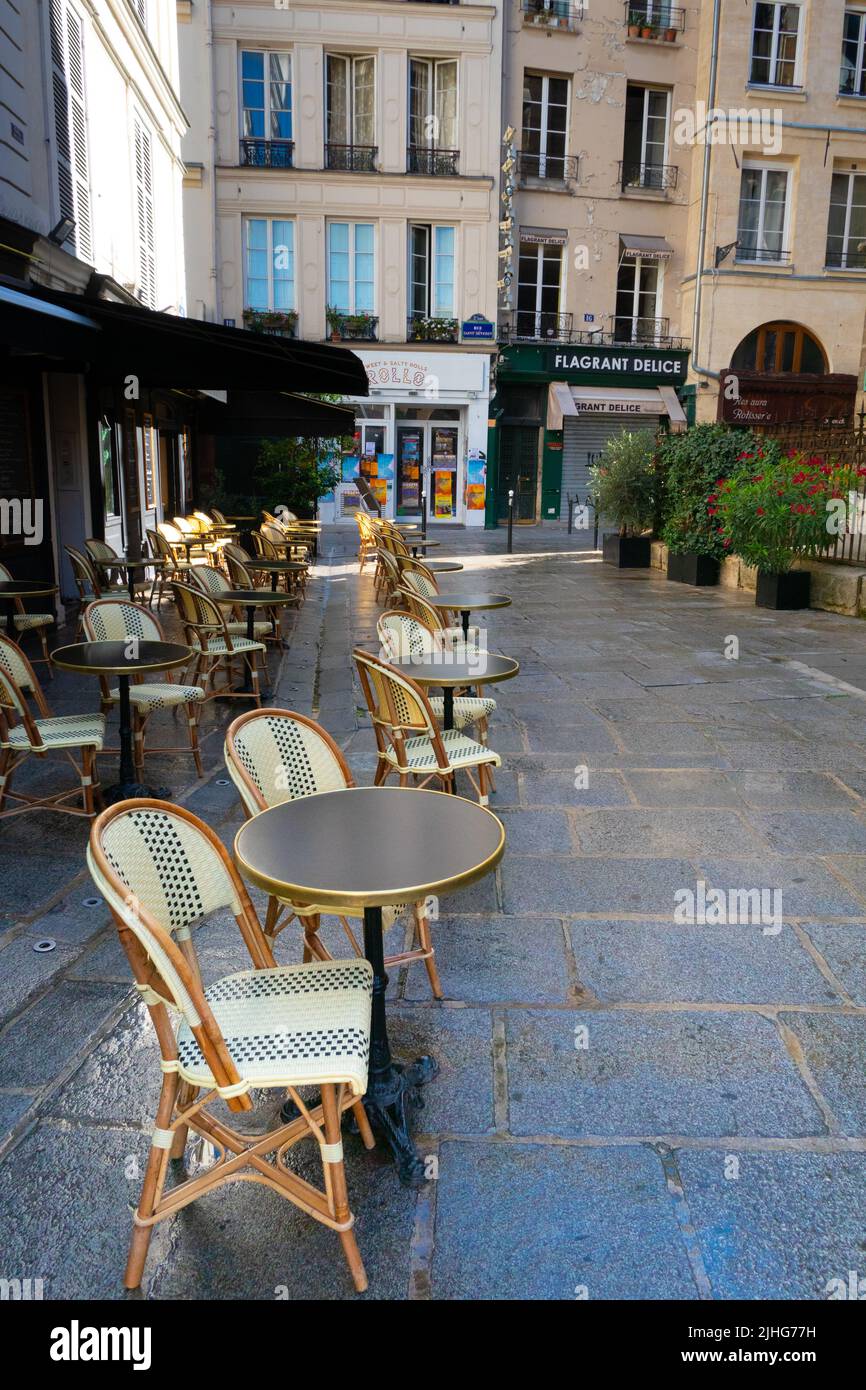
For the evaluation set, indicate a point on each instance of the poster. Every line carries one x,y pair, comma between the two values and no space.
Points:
350,469
379,489
386,466
443,484
476,483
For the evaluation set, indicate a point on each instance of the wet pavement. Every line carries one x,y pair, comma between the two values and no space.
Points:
629,1105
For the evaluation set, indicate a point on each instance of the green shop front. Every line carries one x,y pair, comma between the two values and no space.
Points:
554,408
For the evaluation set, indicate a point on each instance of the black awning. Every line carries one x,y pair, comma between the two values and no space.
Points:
274,413
165,350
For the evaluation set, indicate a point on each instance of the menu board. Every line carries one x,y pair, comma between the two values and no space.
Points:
16,463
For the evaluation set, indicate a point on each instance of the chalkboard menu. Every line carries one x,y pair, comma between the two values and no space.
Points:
16,460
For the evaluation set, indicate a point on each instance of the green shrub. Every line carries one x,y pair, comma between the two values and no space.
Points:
691,464
624,482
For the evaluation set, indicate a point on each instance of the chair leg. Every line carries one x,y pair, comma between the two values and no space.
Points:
87,763
340,1196
138,742
422,923
44,641
151,1190
5,774
192,717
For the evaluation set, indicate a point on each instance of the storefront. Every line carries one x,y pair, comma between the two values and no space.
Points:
554,409
423,429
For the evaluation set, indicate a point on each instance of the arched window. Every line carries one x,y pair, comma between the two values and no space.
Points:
777,348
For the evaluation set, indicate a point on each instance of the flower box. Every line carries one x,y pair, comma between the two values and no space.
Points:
691,568
783,591
626,552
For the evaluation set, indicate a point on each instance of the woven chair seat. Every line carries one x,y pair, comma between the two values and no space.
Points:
239,629
217,646
467,708
297,1025
161,695
64,731
461,751
26,622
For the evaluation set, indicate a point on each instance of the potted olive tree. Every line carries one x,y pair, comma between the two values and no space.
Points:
773,515
690,466
623,485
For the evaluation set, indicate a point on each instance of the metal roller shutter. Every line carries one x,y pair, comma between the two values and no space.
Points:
583,440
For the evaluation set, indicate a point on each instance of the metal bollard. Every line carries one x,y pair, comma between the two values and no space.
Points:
570,512
423,514
510,520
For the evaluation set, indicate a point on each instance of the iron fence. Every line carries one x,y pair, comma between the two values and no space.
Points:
842,439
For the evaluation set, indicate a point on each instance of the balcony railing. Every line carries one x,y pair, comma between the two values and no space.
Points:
354,328
839,259
278,323
421,159
267,154
551,168
660,177
553,14
527,326
427,328
626,329
665,21
775,255
359,159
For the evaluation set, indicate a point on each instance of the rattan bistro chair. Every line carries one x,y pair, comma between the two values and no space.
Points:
206,632
404,637
408,738
367,542
112,619
30,622
161,872
213,581
22,734
418,606
275,755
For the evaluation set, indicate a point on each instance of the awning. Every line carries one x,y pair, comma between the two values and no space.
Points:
543,236
278,414
608,402
165,350
649,248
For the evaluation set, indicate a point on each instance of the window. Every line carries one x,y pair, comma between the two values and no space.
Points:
351,267
846,228
776,348
266,95
539,281
350,115
269,264
775,46
762,229
70,125
433,116
431,271
638,298
144,216
646,138
545,125
108,457
852,77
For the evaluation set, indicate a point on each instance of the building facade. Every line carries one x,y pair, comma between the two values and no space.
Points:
342,184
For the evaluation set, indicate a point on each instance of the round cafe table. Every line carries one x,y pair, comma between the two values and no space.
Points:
12,589
130,656
251,599
417,545
443,566
439,671
363,848
275,568
464,604
129,564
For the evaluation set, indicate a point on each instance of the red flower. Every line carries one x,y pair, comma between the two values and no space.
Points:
760,511
799,478
711,511
744,455
726,542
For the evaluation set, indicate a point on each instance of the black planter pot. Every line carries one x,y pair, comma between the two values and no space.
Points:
626,552
690,568
786,591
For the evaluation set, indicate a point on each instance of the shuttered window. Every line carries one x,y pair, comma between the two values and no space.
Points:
144,215
70,124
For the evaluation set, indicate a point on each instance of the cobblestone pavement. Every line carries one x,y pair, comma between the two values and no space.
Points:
628,1106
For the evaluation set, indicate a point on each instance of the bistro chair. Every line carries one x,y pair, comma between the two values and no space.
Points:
23,621
166,566
387,576
408,738
403,637
213,581
267,549
366,539
207,633
175,535
112,620
276,755
162,871
88,584
293,546
412,601
22,734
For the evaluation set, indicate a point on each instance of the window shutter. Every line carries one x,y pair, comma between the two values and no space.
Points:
70,122
144,216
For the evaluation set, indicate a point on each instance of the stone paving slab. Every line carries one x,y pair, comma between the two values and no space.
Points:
834,1048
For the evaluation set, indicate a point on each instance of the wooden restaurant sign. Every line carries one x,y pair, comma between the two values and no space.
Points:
748,398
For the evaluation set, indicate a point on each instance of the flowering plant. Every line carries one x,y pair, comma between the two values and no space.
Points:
771,514
691,464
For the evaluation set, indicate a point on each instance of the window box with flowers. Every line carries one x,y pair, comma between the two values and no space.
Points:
280,322
773,515
359,328
425,328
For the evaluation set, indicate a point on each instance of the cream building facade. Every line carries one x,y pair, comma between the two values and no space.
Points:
342,182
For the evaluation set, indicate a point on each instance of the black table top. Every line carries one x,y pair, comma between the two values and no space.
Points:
21,588
466,602
443,566
248,598
111,659
442,671
368,846
277,566
127,562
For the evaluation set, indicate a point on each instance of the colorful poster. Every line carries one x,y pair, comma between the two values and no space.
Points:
379,489
386,466
476,484
350,469
443,484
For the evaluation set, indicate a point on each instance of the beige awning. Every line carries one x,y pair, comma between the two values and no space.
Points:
649,248
606,402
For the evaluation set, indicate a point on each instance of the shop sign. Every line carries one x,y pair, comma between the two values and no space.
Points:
757,400
615,361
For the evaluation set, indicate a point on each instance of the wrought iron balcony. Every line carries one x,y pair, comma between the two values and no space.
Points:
660,177
837,258
267,154
527,326
626,329
665,21
549,168
553,14
354,328
774,255
359,159
427,328
421,159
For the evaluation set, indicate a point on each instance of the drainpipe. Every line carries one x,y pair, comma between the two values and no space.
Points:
705,194
212,153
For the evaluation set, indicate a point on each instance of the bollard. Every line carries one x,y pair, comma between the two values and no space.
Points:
423,514
570,513
510,520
